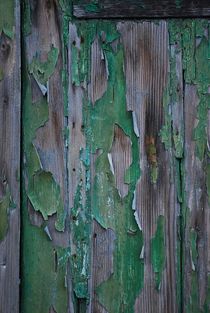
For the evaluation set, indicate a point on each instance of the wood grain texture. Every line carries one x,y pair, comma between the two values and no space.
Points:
147,74
140,9
45,237
10,95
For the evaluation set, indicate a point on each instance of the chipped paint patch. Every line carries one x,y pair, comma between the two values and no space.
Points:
43,191
107,205
158,253
51,265
80,255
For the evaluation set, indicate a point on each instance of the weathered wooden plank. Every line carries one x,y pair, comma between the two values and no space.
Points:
45,236
10,87
140,9
135,257
147,75
195,170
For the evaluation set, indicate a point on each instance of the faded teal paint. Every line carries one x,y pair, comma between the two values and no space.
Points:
99,122
7,17
158,251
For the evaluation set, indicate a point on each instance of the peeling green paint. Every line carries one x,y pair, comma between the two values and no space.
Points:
40,182
197,68
43,264
192,39
107,206
45,196
165,132
45,269
7,17
5,204
158,253
43,70
80,258
178,144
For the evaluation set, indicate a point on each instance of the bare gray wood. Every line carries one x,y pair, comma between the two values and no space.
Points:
140,9
196,251
10,88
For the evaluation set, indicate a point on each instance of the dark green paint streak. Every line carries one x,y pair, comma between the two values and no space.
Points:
158,253
5,204
7,17
107,207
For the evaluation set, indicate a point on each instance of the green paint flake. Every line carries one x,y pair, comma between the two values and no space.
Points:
40,182
5,205
45,269
7,17
178,144
107,206
93,7
43,70
1,75
158,253
197,71
165,132
45,196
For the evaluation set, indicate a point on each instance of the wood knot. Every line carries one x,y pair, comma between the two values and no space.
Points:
5,47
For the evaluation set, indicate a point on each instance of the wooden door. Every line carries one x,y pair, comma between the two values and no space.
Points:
114,173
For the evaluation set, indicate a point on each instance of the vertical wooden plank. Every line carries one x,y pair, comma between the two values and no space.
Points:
125,118
196,175
45,233
147,72
10,86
